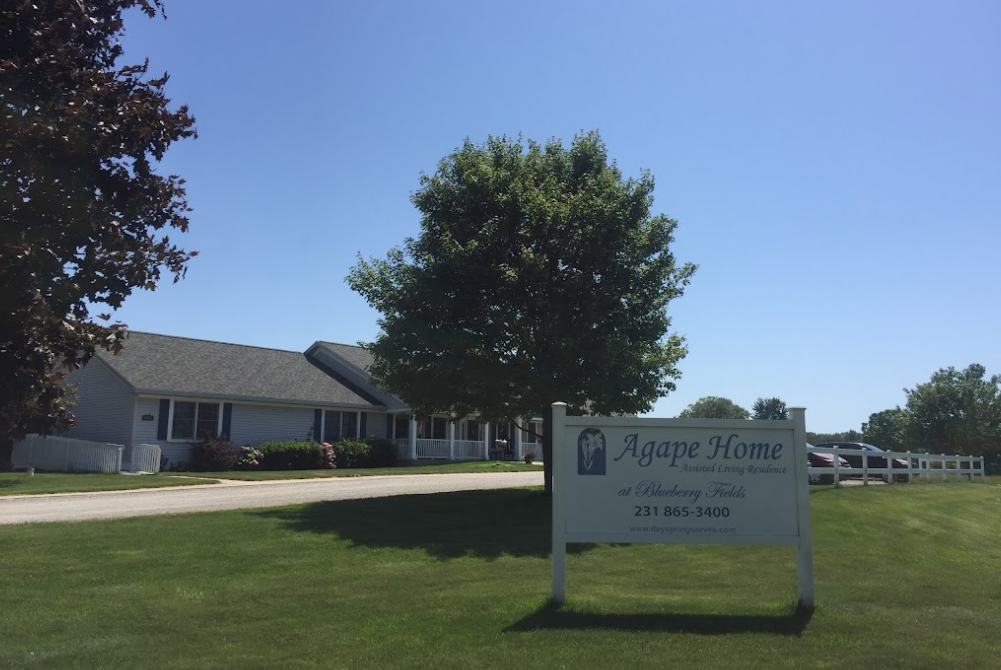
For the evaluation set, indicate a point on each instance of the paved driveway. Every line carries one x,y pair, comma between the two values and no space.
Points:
241,495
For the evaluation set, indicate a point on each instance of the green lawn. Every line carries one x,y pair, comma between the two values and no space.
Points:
439,468
18,483
907,577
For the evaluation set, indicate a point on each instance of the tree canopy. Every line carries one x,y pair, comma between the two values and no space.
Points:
540,274
83,213
770,408
887,429
957,411
714,407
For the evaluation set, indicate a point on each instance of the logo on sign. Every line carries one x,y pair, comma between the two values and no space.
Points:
591,452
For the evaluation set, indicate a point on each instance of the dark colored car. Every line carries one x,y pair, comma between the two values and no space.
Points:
874,461
819,459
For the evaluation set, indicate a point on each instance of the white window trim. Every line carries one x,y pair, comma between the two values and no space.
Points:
170,419
323,423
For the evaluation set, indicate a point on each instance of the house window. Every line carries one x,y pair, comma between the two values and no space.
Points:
194,420
472,429
438,424
349,424
402,426
534,430
339,425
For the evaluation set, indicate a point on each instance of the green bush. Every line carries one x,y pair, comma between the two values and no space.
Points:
295,455
353,453
384,452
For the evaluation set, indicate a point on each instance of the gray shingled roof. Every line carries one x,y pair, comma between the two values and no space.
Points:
170,365
352,363
356,356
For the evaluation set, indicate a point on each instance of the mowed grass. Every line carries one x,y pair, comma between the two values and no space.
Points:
19,483
906,577
424,469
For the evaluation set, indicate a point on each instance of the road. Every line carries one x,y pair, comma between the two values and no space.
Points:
242,495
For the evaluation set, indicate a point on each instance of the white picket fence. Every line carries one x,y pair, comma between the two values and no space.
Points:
930,467
145,458
63,454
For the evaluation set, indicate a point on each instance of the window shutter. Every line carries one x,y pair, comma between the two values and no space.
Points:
227,418
364,425
161,426
390,421
317,424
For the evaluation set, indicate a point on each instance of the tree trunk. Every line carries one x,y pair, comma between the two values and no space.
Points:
6,455
547,449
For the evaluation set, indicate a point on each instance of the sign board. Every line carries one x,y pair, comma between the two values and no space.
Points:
623,479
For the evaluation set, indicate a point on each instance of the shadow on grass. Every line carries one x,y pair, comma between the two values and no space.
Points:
552,617
482,524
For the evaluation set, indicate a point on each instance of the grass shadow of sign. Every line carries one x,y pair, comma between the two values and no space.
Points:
482,524
553,617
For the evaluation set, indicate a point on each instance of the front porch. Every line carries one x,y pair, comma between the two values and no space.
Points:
440,439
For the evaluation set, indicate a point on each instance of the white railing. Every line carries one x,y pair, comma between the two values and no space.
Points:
432,449
468,450
145,458
882,465
64,454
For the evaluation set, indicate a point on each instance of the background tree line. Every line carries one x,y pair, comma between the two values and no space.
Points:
955,412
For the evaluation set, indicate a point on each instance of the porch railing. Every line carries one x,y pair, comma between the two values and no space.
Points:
432,449
468,450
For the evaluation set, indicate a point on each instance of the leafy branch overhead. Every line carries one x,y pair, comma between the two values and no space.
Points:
85,218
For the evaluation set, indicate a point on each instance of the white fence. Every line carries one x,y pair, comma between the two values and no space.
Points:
896,466
465,450
145,458
65,454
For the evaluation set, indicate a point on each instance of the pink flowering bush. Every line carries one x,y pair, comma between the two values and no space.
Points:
329,455
250,458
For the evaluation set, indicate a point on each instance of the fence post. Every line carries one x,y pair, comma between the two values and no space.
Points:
983,471
865,467
889,467
945,470
120,451
910,469
837,469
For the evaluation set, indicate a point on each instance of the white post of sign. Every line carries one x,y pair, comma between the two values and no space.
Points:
804,548
559,506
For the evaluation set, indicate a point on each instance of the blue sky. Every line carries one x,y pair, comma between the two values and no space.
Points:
835,169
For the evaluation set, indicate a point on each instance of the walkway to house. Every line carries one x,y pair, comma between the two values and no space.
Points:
241,495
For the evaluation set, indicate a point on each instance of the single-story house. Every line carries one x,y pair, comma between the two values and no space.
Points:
171,391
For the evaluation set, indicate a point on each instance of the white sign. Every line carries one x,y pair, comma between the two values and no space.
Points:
680,480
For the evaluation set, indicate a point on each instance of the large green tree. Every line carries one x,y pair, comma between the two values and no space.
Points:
770,408
541,274
957,411
887,429
83,214
714,407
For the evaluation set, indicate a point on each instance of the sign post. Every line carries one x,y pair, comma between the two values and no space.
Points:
696,481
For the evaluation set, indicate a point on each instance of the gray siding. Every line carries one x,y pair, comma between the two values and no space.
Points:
376,425
253,424
104,405
145,432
